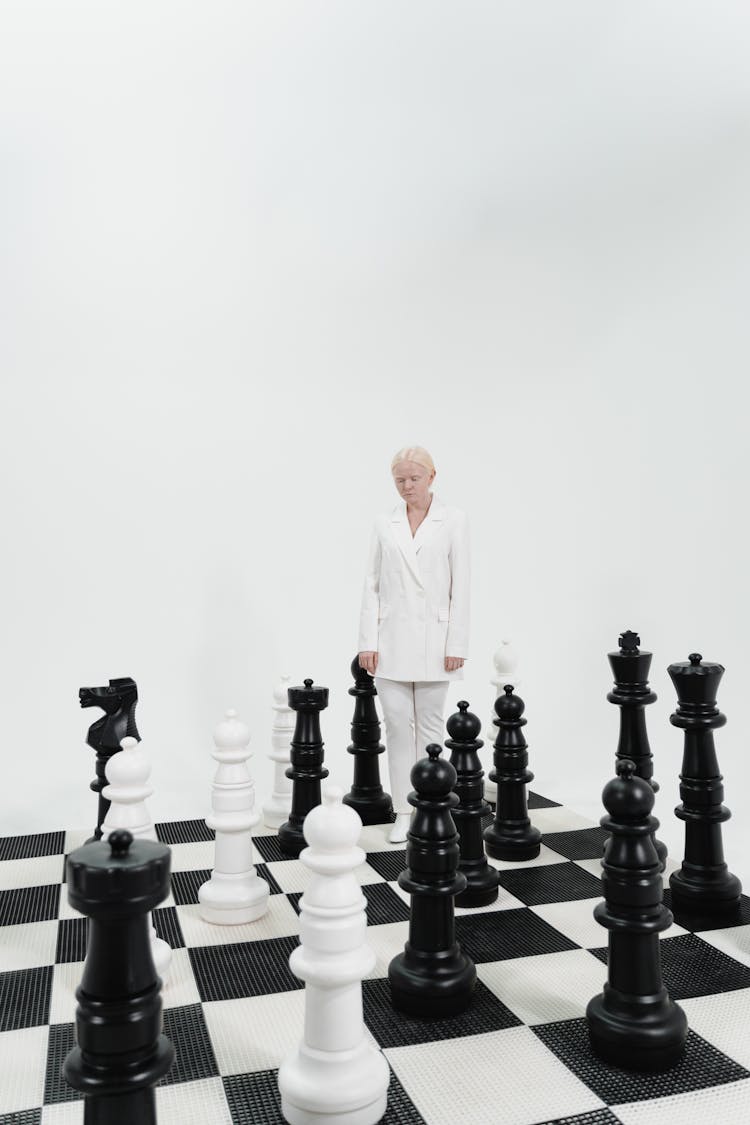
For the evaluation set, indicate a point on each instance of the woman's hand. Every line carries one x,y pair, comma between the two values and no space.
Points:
452,663
369,661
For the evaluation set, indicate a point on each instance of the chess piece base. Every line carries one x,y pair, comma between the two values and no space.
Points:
275,814
479,893
230,902
431,984
291,840
648,1035
705,890
400,829
523,844
371,811
348,1087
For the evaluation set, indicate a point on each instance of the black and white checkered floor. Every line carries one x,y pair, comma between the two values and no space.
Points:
233,1010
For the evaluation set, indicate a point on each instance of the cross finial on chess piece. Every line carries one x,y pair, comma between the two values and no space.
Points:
629,641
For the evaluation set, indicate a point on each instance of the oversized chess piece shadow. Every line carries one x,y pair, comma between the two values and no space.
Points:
118,701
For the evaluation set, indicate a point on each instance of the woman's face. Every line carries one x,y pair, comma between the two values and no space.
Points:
413,482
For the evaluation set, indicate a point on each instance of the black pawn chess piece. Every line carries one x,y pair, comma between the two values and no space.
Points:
366,795
633,1023
306,756
118,701
120,1052
631,693
432,977
465,744
511,836
704,886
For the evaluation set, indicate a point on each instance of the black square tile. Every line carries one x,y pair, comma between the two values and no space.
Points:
167,926
29,904
72,939
29,847
601,1116
184,832
268,847
584,843
185,885
392,1028
227,972
502,934
536,801
691,967
194,1057
553,882
62,1039
24,997
701,1066
294,897
389,865
384,905
23,1117
698,922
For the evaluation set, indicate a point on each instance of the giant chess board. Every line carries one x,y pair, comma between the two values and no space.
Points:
232,1008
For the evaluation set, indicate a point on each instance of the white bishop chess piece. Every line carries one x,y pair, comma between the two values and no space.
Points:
337,1073
127,773
277,808
235,893
505,662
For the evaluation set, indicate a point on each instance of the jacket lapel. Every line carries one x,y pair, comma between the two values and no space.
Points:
429,524
403,536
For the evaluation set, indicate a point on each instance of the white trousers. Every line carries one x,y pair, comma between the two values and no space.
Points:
413,713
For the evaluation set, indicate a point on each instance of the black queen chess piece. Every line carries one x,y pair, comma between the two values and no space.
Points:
511,836
366,795
703,886
118,700
306,757
432,977
464,743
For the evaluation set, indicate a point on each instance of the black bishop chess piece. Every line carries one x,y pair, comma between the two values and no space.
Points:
306,756
432,977
703,887
633,1023
511,836
121,1052
117,700
366,795
632,693
465,744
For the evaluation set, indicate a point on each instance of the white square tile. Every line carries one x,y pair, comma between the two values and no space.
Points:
193,857
64,1113
386,941
545,857
292,874
576,920
24,1057
77,837
723,1020
547,987
280,920
559,819
504,901
66,910
255,1033
179,988
193,1103
65,981
725,1105
36,871
28,945
374,838
734,941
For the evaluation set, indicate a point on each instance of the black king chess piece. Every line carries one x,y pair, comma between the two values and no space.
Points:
306,756
633,1023
432,977
465,744
118,702
512,835
120,1052
703,886
366,795
631,693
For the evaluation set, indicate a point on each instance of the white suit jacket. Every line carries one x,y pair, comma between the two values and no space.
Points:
415,601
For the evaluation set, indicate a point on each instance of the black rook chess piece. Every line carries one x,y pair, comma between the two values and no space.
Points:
306,756
366,795
121,1052
633,1023
703,886
512,835
118,702
631,693
465,744
432,977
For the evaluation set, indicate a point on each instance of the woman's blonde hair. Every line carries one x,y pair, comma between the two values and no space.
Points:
414,453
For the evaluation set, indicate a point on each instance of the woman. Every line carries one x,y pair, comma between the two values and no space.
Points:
414,623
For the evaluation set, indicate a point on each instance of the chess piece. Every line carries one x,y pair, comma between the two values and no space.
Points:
276,809
366,795
128,773
631,693
464,744
432,977
235,893
118,702
337,1073
633,1023
703,886
511,836
306,770
505,663
120,1052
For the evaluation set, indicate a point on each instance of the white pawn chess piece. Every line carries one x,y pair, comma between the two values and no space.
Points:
505,662
235,893
127,773
276,810
337,1073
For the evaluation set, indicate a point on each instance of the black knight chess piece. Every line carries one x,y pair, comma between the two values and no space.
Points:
512,835
366,795
306,756
633,1023
432,977
704,886
465,744
118,701
120,1052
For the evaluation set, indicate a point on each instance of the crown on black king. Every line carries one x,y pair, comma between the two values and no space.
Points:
703,885
512,835
306,756
465,744
366,795
432,977
118,702
631,693
120,1052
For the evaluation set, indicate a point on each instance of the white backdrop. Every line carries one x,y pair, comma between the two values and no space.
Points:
249,250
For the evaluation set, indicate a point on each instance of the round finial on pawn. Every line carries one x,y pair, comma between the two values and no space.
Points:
463,726
332,826
119,842
628,796
695,658
308,683
433,776
231,732
509,707
131,767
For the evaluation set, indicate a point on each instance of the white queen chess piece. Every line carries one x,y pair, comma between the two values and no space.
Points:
235,893
337,1073
505,661
277,807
